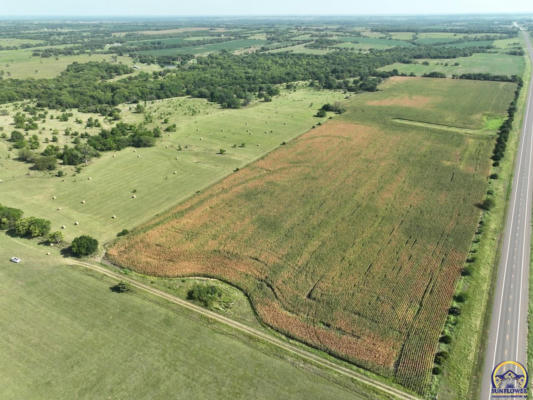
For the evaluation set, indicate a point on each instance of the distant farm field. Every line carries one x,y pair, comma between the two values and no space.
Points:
20,64
231,45
352,236
492,63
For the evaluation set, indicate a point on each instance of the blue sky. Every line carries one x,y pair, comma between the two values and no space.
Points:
258,7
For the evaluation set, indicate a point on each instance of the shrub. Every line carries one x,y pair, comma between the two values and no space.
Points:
16,136
32,227
446,339
454,311
440,357
43,163
171,128
123,232
460,297
493,176
321,113
9,216
436,370
487,204
207,295
55,237
335,107
26,155
121,287
83,246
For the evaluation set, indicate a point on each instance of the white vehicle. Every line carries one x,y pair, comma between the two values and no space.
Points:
15,259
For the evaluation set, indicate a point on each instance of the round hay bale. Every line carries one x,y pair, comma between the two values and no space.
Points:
89,178
53,197
138,156
114,217
175,172
133,196
47,253
83,202
58,208
76,223
63,226
114,155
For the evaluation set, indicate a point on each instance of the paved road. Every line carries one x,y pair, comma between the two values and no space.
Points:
264,336
508,329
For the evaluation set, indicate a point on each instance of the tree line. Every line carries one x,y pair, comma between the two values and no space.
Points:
228,79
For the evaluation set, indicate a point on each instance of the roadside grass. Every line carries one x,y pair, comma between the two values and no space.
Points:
66,335
493,63
462,373
530,317
20,64
261,230
163,175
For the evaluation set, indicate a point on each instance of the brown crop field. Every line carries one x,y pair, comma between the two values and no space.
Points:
351,237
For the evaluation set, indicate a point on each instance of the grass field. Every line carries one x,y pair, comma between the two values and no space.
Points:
400,203
5,42
162,176
21,64
231,45
300,48
65,335
366,43
493,63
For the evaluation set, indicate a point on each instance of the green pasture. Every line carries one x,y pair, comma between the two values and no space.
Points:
161,176
231,45
21,64
4,42
66,335
300,48
366,43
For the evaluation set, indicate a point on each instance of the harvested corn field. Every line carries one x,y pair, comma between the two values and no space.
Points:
349,238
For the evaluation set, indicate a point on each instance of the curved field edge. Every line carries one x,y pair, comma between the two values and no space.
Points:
87,342
462,373
242,311
430,353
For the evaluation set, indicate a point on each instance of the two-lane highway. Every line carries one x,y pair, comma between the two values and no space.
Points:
508,329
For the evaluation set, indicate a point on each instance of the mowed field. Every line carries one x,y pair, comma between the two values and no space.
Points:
161,176
65,335
351,237
230,45
20,64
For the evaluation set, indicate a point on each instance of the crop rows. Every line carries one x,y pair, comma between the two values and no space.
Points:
349,239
